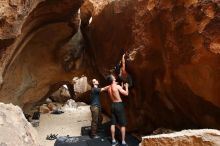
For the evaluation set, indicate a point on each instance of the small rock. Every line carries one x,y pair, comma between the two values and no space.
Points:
70,105
44,109
48,100
52,106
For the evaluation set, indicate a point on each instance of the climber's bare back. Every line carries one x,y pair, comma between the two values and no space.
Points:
114,89
114,93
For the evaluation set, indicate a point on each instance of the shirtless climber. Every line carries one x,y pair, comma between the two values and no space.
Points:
96,107
118,112
123,75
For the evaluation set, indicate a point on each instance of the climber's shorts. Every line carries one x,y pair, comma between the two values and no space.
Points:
118,114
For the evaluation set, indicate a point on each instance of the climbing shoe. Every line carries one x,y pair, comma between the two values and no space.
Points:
115,143
51,137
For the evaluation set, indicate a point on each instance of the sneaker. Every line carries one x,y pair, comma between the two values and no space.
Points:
124,144
114,143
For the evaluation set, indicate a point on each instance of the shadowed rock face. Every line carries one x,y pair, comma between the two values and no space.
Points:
172,53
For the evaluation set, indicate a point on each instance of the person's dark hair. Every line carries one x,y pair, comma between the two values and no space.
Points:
117,69
109,79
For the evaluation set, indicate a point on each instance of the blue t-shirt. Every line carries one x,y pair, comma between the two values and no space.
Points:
95,96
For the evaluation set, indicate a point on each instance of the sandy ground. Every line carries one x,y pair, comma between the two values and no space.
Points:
68,123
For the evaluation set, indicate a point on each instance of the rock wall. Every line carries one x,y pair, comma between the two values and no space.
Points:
15,129
42,53
203,137
172,54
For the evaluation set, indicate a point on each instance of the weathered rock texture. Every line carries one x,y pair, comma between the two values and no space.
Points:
15,129
204,137
172,51
61,95
43,54
80,87
81,84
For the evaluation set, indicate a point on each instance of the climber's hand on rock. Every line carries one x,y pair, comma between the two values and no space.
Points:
126,85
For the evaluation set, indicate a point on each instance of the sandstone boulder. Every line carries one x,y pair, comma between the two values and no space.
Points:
15,130
61,95
171,54
203,137
81,84
64,91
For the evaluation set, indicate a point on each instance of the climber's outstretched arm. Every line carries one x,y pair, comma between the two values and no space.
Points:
123,62
104,88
